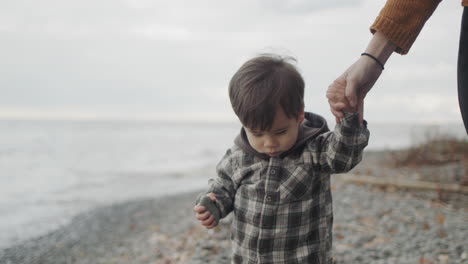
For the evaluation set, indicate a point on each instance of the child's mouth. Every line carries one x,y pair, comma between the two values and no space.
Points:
276,153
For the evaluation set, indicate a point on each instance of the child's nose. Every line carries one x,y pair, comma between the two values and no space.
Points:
270,142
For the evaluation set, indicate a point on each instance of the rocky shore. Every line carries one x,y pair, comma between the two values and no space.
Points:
372,225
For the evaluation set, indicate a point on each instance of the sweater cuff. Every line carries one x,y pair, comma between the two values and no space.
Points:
401,21
395,33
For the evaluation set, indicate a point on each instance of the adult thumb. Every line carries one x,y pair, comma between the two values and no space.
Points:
350,93
360,108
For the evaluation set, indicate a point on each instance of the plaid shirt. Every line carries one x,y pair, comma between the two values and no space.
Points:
282,206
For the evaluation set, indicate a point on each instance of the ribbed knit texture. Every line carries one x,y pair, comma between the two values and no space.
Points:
402,20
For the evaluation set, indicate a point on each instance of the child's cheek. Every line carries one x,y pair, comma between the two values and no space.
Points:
258,145
255,143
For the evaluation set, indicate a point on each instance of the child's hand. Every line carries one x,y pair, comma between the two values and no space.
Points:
337,99
206,218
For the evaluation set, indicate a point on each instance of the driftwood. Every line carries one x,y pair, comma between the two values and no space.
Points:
405,183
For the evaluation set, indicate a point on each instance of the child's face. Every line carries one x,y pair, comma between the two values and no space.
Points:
280,138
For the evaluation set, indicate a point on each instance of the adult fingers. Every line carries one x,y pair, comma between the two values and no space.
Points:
351,92
360,108
335,91
337,106
337,113
341,81
332,94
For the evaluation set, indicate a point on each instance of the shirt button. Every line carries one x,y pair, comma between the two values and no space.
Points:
269,198
273,171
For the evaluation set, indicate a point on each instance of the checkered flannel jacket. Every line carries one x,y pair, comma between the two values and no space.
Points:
282,208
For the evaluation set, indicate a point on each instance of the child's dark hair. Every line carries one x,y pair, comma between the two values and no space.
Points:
261,85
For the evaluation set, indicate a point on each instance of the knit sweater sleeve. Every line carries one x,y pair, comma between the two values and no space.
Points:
402,20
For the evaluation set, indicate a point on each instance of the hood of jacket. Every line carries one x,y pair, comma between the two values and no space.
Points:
312,126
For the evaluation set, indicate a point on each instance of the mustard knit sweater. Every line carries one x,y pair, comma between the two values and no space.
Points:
402,20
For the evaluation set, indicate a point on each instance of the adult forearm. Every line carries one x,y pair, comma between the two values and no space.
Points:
402,20
381,47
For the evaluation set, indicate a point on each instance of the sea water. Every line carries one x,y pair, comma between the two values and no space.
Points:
52,170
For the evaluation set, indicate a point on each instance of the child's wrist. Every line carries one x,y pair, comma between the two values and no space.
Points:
350,118
349,114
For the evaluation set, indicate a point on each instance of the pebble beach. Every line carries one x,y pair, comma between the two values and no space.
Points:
372,225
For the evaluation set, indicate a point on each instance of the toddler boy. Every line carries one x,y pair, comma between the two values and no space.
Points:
276,177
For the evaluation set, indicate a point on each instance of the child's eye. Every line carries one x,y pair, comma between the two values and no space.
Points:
281,132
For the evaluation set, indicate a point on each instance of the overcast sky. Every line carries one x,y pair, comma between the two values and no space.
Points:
147,59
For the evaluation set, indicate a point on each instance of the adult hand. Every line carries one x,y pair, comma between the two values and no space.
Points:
337,99
358,79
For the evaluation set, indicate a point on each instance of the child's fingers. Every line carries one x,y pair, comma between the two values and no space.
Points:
199,209
213,225
208,221
212,196
203,216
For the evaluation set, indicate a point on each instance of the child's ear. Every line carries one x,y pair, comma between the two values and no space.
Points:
301,116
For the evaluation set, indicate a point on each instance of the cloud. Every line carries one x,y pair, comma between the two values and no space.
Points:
416,107
306,6
157,56
422,71
160,32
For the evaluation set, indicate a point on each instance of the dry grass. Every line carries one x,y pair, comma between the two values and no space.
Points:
437,157
433,151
